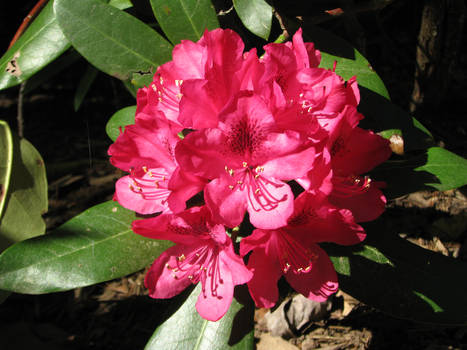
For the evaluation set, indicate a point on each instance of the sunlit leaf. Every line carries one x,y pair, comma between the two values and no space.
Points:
256,16
6,161
121,4
112,40
119,120
95,246
184,19
40,44
449,168
185,329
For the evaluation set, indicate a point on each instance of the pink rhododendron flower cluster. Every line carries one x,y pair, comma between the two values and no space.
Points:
244,131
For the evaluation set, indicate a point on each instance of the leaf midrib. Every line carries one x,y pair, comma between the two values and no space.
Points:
59,256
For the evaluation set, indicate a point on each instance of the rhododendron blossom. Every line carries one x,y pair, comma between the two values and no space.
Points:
271,141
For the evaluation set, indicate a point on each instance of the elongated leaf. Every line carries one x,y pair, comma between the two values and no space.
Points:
95,246
449,169
380,114
112,40
120,119
6,161
185,329
83,87
26,198
40,44
184,19
402,279
256,16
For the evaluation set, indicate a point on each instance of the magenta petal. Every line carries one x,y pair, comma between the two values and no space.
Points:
146,201
160,279
213,304
320,282
240,273
227,206
365,206
263,286
270,203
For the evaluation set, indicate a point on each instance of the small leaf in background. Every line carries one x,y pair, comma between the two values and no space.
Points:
185,329
83,86
122,118
402,279
110,39
6,162
184,19
95,246
26,199
256,16
121,4
40,44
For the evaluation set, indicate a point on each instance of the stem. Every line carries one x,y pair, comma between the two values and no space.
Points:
31,15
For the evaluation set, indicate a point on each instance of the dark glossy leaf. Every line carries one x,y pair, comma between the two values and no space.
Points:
380,114
26,198
402,279
185,329
40,44
119,120
349,61
383,116
95,246
184,19
83,86
256,16
112,40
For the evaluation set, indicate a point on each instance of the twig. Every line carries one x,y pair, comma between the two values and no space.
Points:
19,116
285,33
31,15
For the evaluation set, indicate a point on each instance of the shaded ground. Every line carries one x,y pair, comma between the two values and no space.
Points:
119,315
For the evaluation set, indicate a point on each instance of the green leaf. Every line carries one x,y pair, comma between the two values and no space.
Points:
122,118
40,44
26,198
349,61
434,168
402,279
95,246
256,16
185,329
110,39
51,70
449,169
84,85
184,19
121,4
380,114
383,116
6,161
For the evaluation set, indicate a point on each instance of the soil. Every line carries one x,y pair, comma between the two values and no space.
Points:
118,314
